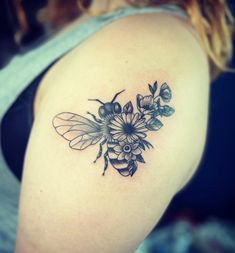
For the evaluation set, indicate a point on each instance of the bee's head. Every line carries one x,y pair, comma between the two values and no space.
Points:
109,109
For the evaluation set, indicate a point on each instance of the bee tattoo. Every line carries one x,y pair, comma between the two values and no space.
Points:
119,129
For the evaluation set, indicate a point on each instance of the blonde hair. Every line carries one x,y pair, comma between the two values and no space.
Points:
213,21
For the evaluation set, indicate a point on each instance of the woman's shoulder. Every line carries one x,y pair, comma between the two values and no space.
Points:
158,41
114,67
130,54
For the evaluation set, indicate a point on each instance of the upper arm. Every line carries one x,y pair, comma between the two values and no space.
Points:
66,203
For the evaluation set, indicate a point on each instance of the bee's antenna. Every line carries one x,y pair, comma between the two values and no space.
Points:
116,96
97,100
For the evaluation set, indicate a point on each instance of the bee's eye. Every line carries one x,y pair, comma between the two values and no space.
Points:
102,111
117,108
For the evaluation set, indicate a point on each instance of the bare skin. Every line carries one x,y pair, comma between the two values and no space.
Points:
66,204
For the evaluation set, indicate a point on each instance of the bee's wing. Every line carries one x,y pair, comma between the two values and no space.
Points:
80,131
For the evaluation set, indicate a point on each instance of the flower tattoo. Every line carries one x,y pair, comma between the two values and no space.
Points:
128,126
127,150
121,130
145,103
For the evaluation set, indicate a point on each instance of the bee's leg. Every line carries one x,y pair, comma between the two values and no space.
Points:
94,117
100,150
106,162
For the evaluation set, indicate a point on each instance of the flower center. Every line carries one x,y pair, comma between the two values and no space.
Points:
128,129
127,148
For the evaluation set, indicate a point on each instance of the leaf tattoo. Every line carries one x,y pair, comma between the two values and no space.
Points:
119,129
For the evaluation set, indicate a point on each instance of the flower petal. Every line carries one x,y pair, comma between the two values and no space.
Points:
141,135
137,151
128,156
138,99
115,131
122,143
123,116
135,119
139,123
147,100
134,137
135,145
116,136
119,119
130,138
122,137
115,125
129,117
133,157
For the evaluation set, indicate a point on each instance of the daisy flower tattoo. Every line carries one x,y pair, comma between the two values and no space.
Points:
128,126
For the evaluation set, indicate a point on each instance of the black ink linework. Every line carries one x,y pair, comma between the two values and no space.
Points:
119,129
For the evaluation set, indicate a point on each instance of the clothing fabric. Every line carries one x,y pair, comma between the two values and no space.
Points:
20,79
16,126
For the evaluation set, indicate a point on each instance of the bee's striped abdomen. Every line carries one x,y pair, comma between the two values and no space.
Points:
122,166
